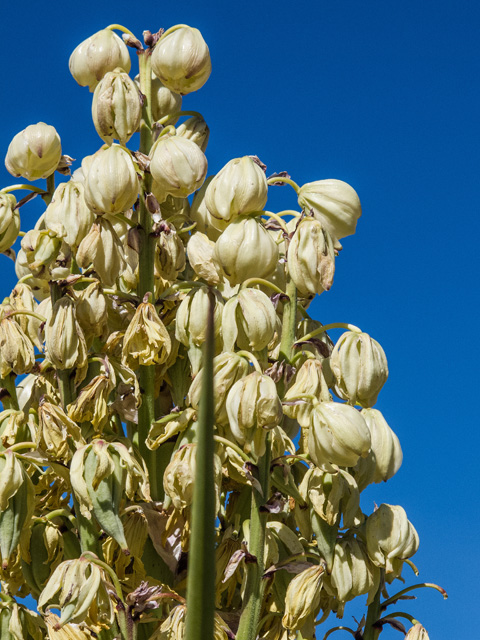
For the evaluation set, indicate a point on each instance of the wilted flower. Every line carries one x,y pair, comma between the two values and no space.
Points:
303,597
16,348
34,152
57,433
181,59
95,56
146,340
360,367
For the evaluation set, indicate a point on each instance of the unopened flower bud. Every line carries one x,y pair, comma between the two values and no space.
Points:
42,248
249,320
199,213
164,101
64,340
390,536
202,258
195,129
332,495
253,407
360,367
68,208
34,152
227,369
338,435
178,166
181,59
311,258
385,445
146,340
303,597
9,221
116,107
169,254
103,248
111,185
92,312
309,380
417,632
95,56
335,204
239,188
192,315
246,250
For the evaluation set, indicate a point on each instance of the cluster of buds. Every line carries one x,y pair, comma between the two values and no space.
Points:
136,255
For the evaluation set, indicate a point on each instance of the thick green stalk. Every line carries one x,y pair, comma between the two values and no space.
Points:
289,322
146,413
201,557
374,613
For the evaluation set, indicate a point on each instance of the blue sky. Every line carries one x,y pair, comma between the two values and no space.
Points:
385,96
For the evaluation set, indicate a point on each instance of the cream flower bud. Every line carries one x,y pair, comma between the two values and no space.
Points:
16,349
303,597
417,632
42,248
192,316
227,369
80,583
146,340
353,573
311,258
95,56
199,213
195,129
116,107
178,166
335,204
239,188
34,152
360,367
385,445
202,258
249,320
338,435
390,536
164,101
253,406
9,221
169,254
103,248
246,250
68,208
181,59
111,184
92,312
309,380
64,340
332,495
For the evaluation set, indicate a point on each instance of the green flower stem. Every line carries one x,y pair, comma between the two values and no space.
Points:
47,197
278,219
177,114
146,283
9,400
421,585
58,513
26,187
251,358
24,312
289,322
18,446
330,631
401,614
263,283
249,620
232,446
327,327
286,181
119,27
201,565
374,613
116,582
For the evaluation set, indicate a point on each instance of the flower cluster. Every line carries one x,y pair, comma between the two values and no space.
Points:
103,367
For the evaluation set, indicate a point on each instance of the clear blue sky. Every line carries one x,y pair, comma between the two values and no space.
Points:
385,96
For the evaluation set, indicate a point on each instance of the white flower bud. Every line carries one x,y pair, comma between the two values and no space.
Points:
202,258
246,250
310,380
9,221
311,258
103,248
338,435
390,536
240,187
34,152
199,213
249,320
181,59
68,208
64,340
335,204
116,107
417,632
385,446
360,367
195,129
111,184
178,166
95,56
192,316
